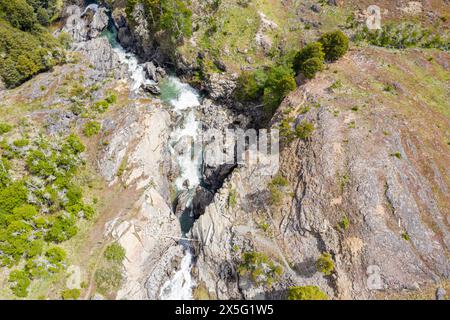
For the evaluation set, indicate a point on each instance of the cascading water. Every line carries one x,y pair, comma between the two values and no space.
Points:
135,69
185,100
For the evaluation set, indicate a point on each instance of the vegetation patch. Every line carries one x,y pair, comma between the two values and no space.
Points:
39,207
260,268
325,264
306,293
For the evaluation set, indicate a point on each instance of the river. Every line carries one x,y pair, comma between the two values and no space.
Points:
184,101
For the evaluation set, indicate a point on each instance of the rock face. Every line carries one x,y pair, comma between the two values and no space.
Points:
87,24
101,56
397,238
149,230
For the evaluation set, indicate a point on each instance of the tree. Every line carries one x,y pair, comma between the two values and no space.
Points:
311,50
280,81
306,293
325,264
335,45
247,88
310,67
115,253
19,13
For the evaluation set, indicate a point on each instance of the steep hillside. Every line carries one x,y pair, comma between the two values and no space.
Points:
369,186
103,197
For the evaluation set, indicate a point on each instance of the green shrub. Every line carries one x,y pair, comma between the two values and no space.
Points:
13,196
75,144
325,264
5,128
260,268
19,283
335,45
21,143
232,198
115,253
406,236
275,186
306,293
55,257
280,81
71,294
91,128
310,67
63,228
304,130
344,224
311,50
108,279
4,173
248,87
111,99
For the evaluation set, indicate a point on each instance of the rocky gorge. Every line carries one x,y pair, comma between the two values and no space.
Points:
368,188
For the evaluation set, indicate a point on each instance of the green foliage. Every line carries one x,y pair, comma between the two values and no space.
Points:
304,130
62,228
75,144
280,81
311,66
40,207
70,294
5,128
311,50
91,128
404,35
250,85
115,253
306,293
171,16
232,198
335,45
108,279
19,283
21,143
389,87
398,155
18,13
55,257
12,196
103,105
275,189
260,268
344,224
309,60
4,172
27,53
406,236
325,264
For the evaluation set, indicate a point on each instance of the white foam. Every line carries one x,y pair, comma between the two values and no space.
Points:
180,286
135,70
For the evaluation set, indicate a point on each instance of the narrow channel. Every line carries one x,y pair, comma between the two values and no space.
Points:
185,101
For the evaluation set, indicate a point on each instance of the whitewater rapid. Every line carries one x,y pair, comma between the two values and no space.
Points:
184,100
